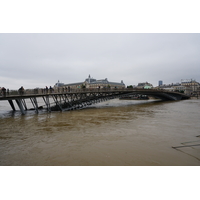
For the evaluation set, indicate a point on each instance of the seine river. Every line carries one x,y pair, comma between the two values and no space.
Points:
112,133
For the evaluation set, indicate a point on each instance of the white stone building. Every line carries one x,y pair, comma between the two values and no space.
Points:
91,83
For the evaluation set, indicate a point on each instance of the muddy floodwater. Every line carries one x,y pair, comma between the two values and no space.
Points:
112,133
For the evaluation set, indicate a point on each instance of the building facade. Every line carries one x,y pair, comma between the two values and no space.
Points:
187,86
191,83
91,83
58,84
160,83
144,85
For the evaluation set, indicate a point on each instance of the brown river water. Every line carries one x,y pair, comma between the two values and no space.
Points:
112,133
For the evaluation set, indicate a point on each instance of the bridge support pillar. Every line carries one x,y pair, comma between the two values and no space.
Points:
19,103
24,104
55,98
12,105
35,104
47,102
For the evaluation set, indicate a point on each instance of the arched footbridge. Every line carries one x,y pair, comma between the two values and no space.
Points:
81,98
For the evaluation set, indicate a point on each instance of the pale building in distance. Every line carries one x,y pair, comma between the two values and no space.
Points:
144,85
92,83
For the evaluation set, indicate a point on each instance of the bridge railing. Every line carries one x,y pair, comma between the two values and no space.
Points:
41,91
59,91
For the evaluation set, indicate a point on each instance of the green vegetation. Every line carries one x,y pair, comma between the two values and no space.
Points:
130,86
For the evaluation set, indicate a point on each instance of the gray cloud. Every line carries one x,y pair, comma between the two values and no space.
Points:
37,60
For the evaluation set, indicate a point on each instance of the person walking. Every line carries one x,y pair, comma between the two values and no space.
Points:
3,89
21,90
47,90
51,89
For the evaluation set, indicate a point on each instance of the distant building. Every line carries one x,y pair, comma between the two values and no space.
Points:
191,83
58,84
160,83
93,83
102,83
187,86
172,85
183,89
144,85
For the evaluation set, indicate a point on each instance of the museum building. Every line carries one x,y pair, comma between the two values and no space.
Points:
93,83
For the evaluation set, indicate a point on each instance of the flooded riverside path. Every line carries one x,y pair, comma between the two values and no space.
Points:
112,133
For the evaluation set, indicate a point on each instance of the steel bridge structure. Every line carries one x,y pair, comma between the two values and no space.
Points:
82,98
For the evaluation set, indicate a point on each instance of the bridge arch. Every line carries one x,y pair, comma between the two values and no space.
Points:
85,98
82,98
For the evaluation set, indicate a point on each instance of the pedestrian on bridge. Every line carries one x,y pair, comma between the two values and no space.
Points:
47,90
3,89
51,89
21,90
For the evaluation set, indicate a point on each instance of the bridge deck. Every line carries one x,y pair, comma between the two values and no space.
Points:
141,91
79,98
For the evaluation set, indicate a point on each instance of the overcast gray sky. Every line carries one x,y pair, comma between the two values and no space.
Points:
37,60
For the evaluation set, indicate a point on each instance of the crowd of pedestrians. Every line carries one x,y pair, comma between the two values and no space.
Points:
47,90
21,91
5,92
50,90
